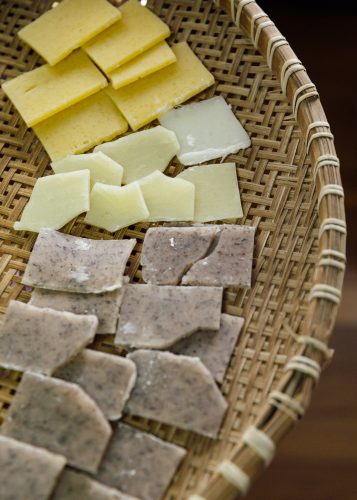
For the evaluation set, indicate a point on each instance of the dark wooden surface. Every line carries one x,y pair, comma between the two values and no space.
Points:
318,460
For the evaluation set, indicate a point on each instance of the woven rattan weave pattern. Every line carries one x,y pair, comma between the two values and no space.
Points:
299,251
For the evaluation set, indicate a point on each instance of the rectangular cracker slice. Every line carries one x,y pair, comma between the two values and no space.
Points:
156,317
68,26
148,62
146,99
137,31
47,90
81,127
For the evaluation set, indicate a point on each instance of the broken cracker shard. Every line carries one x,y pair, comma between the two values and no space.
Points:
106,378
27,468
182,392
158,316
210,255
60,417
58,262
74,486
41,339
103,305
139,463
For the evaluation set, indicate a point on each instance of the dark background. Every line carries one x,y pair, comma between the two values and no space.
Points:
318,460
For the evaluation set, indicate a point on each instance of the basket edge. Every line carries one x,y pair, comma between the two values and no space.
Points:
287,404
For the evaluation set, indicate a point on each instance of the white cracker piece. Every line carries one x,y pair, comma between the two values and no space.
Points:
206,130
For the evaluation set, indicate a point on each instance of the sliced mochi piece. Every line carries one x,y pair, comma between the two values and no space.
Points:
103,305
176,390
229,263
72,23
138,463
102,168
25,468
114,207
216,191
143,101
206,130
76,486
81,126
138,30
60,417
142,153
214,349
108,379
41,340
55,200
158,316
169,251
72,264
44,91
146,63
168,198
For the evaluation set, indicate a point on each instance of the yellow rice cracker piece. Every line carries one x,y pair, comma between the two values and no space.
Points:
45,91
137,31
55,200
60,30
148,62
80,127
216,191
146,99
115,207
167,198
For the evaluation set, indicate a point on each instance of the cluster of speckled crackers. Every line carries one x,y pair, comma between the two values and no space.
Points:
69,393
87,44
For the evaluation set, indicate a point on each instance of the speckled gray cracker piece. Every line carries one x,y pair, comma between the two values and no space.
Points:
156,317
60,417
103,305
106,378
41,340
75,486
214,349
71,264
176,390
139,464
229,263
168,252
26,471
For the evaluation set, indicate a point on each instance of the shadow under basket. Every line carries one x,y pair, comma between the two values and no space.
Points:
291,191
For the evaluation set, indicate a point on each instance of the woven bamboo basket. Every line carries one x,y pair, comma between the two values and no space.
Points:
291,190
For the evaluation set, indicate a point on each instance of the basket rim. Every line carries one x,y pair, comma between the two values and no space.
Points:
286,405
